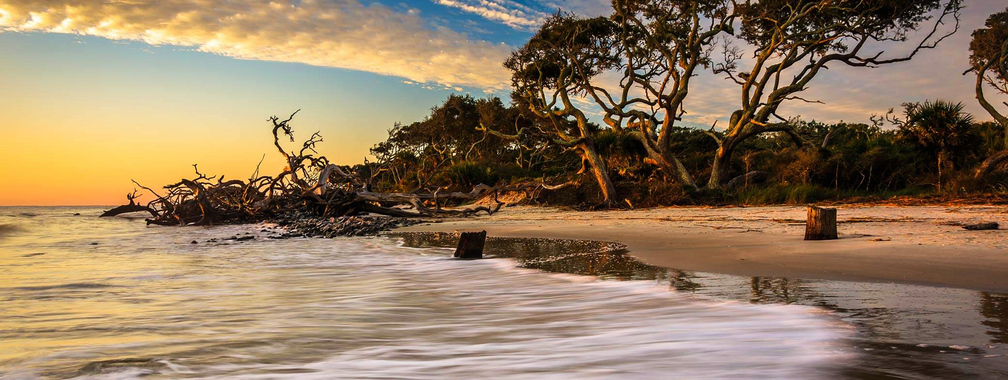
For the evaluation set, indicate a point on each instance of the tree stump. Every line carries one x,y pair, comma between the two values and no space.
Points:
470,245
821,224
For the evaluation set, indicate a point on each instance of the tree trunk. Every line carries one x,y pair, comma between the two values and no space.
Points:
666,161
821,224
470,245
719,172
991,164
672,167
598,169
939,171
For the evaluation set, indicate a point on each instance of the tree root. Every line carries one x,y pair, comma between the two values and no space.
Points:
309,183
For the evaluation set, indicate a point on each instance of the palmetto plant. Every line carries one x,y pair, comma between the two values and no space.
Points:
941,128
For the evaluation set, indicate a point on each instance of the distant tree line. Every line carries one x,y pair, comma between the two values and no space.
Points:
636,67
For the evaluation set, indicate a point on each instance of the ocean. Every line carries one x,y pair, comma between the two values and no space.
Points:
111,298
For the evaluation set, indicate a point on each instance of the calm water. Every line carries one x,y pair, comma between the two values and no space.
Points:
110,298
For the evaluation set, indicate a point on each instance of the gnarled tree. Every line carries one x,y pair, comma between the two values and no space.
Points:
545,74
989,61
656,47
794,40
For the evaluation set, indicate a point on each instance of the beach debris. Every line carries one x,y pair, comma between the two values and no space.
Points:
470,245
821,223
129,208
981,226
308,183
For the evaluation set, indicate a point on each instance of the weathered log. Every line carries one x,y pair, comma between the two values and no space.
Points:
991,164
126,209
981,226
750,177
470,245
821,224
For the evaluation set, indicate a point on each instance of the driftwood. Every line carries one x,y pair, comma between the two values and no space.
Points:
991,164
128,208
309,182
821,224
981,226
745,179
470,245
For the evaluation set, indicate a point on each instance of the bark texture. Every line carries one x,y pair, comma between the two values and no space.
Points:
470,245
821,224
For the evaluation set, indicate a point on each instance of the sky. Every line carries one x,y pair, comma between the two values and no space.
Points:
95,93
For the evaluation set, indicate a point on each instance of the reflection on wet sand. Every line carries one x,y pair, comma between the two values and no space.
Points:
994,307
904,331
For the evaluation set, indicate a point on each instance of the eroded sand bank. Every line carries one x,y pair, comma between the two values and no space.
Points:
920,244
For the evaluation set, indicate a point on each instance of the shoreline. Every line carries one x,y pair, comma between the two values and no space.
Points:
921,245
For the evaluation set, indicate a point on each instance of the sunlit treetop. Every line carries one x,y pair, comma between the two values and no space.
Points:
834,24
989,47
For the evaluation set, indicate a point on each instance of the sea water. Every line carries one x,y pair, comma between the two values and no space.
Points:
83,297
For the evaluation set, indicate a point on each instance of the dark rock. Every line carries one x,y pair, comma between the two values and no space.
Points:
245,238
981,226
194,242
305,225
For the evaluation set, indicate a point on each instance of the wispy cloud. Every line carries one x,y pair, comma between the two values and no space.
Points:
331,33
511,13
587,8
521,16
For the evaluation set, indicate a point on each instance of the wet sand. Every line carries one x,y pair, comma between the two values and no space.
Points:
914,245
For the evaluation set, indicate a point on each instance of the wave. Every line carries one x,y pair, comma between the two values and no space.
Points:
80,285
9,229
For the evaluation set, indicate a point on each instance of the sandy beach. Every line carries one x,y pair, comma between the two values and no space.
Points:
915,245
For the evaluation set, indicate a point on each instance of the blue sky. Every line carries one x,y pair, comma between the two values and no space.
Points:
155,86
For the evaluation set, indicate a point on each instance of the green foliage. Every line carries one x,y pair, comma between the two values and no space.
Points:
987,46
835,162
939,127
780,194
469,174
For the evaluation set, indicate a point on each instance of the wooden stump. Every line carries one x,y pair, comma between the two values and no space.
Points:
470,245
821,224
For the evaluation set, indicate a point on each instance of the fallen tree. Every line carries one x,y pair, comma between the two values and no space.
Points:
309,183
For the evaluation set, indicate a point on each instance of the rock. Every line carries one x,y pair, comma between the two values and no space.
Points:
194,242
245,238
981,226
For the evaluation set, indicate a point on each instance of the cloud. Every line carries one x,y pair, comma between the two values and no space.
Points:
513,14
527,17
331,33
586,8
